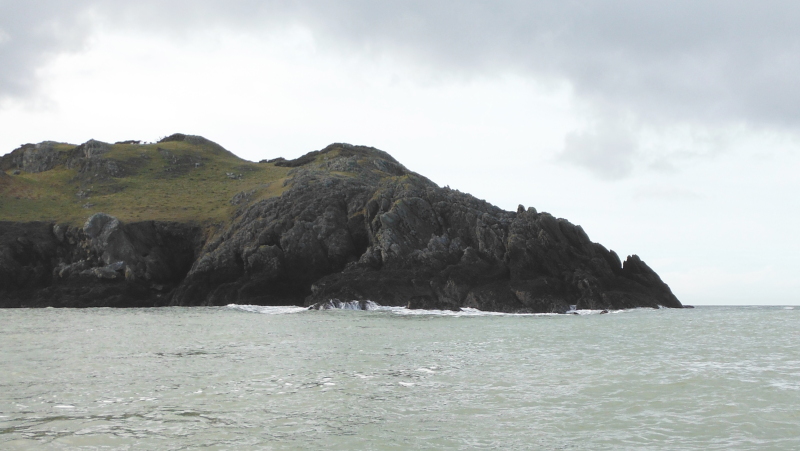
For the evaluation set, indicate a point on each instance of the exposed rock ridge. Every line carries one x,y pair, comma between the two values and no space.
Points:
391,236
46,156
352,225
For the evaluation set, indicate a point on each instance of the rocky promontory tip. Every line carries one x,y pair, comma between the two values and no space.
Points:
345,225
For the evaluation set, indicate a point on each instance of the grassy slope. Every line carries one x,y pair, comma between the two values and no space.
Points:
157,182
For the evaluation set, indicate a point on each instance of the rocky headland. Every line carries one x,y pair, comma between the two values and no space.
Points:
345,223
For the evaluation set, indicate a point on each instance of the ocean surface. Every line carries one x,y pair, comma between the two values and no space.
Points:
246,377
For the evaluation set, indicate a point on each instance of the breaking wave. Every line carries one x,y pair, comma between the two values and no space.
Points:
267,309
375,307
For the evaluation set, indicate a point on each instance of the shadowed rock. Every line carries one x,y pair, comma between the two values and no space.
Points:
103,263
385,234
352,225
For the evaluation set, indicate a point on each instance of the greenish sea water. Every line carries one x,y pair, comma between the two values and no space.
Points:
242,377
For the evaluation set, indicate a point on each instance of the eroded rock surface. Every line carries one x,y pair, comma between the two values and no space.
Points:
382,233
103,263
352,225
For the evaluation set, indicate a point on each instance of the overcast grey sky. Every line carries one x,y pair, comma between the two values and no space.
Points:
666,128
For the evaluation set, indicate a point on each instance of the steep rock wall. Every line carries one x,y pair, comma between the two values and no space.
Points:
104,263
393,237
351,224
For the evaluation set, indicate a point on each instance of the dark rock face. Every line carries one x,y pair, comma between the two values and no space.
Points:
393,237
353,225
105,263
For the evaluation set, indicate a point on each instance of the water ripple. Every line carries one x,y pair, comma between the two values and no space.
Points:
708,378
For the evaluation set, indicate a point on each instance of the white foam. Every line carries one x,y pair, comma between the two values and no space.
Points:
373,306
594,312
63,407
268,309
335,304
465,312
468,311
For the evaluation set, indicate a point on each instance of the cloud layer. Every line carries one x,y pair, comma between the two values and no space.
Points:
659,64
688,108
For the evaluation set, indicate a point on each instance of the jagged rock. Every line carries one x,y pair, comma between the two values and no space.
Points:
130,276
104,272
39,157
86,158
401,240
31,158
241,197
103,263
334,304
352,223
93,148
99,226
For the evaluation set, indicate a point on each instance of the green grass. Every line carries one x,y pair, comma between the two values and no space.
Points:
157,182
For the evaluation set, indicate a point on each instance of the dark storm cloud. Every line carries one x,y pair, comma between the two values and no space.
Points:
666,62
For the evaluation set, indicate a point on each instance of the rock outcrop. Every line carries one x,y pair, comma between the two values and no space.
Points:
353,224
392,236
103,264
45,156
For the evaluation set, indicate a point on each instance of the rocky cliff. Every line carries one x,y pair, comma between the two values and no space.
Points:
343,223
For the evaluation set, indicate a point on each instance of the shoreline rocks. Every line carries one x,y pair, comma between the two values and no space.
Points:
352,223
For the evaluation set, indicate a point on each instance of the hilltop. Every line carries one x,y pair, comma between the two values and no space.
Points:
180,178
185,222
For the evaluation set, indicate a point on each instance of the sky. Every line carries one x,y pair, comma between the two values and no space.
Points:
667,129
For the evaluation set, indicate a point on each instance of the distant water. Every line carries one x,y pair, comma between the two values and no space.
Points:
245,377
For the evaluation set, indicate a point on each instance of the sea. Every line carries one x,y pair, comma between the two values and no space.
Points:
284,378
